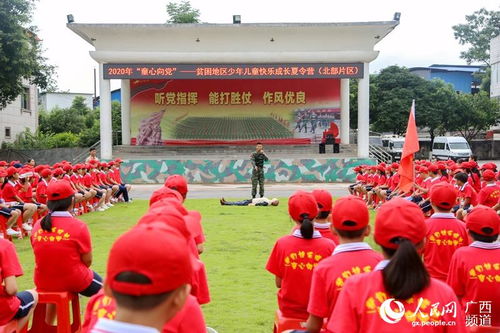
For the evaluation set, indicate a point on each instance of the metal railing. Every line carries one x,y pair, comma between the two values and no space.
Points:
380,154
82,156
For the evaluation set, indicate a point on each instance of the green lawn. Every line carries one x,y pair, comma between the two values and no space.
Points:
239,240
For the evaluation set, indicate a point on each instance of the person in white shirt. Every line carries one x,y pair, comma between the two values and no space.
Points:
251,202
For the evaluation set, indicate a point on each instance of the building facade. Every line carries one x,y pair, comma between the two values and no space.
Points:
22,113
461,77
50,100
495,67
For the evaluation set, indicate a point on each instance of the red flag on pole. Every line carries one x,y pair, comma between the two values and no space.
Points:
406,168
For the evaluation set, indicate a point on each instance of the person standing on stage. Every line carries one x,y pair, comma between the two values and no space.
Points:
258,158
92,156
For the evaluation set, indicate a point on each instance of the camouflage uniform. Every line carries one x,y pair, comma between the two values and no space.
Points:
258,160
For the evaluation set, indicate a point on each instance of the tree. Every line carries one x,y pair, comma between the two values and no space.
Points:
73,119
395,87
481,27
475,113
20,51
182,12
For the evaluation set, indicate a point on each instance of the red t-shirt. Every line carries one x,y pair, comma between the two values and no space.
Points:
330,275
199,283
103,178
445,234
195,227
188,319
9,192
25,192
475,182
293,259
87,180
381,180
118,176
58,254
360,178
9,266
475,277
467,191
394,181
325,231
95,178
359,303
427,184
489,195
41,192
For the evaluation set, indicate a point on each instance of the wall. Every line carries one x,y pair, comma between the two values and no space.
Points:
239,171
43,156
19,119
461,81
49,101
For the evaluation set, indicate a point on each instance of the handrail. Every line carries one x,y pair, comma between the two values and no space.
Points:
380,154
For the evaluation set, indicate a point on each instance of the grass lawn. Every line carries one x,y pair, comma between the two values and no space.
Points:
239,240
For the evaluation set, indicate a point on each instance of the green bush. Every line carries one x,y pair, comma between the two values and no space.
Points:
64,140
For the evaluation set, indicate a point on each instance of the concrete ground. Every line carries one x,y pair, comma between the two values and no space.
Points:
216,191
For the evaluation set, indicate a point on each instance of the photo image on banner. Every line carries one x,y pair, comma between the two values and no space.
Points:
281,111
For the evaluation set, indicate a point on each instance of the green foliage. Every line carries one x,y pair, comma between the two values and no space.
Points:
41,140
20,51
182,12
64,140
80,121
475,113
476,33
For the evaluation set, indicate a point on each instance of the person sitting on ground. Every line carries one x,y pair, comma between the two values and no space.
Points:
251,202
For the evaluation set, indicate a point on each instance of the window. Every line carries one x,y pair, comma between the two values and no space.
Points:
459,145
25,99
7,132
438,145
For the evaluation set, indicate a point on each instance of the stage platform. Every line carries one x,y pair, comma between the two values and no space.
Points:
231,164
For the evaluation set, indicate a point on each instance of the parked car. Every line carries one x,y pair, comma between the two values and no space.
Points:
450,147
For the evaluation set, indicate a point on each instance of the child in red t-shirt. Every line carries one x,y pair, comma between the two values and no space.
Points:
13,305
490,193
62,247
398,296
294,257
466,195
322,221
474,269
352,256
445,233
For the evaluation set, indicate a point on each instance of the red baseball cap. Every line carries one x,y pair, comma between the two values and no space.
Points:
3,173
142,250
3,163
11,171
170,202
481,218
67,167
489,166
58,172
301,203
424,170
178,183
394,165
167,215
350,213
38,168
324,200
92,162
118,160
45,173
488,175
399,218
59,190
433,168
443,195
162,193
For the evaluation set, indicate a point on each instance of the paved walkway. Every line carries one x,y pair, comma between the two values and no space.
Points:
200,191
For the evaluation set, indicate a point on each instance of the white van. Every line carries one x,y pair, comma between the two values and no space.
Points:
450,148
395,147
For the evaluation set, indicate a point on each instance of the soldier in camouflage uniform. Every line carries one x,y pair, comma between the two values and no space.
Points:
258,158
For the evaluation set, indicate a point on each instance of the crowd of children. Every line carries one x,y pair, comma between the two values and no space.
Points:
437,270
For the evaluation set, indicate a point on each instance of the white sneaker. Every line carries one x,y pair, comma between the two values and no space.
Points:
100,209
27,227
110,204
12,232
